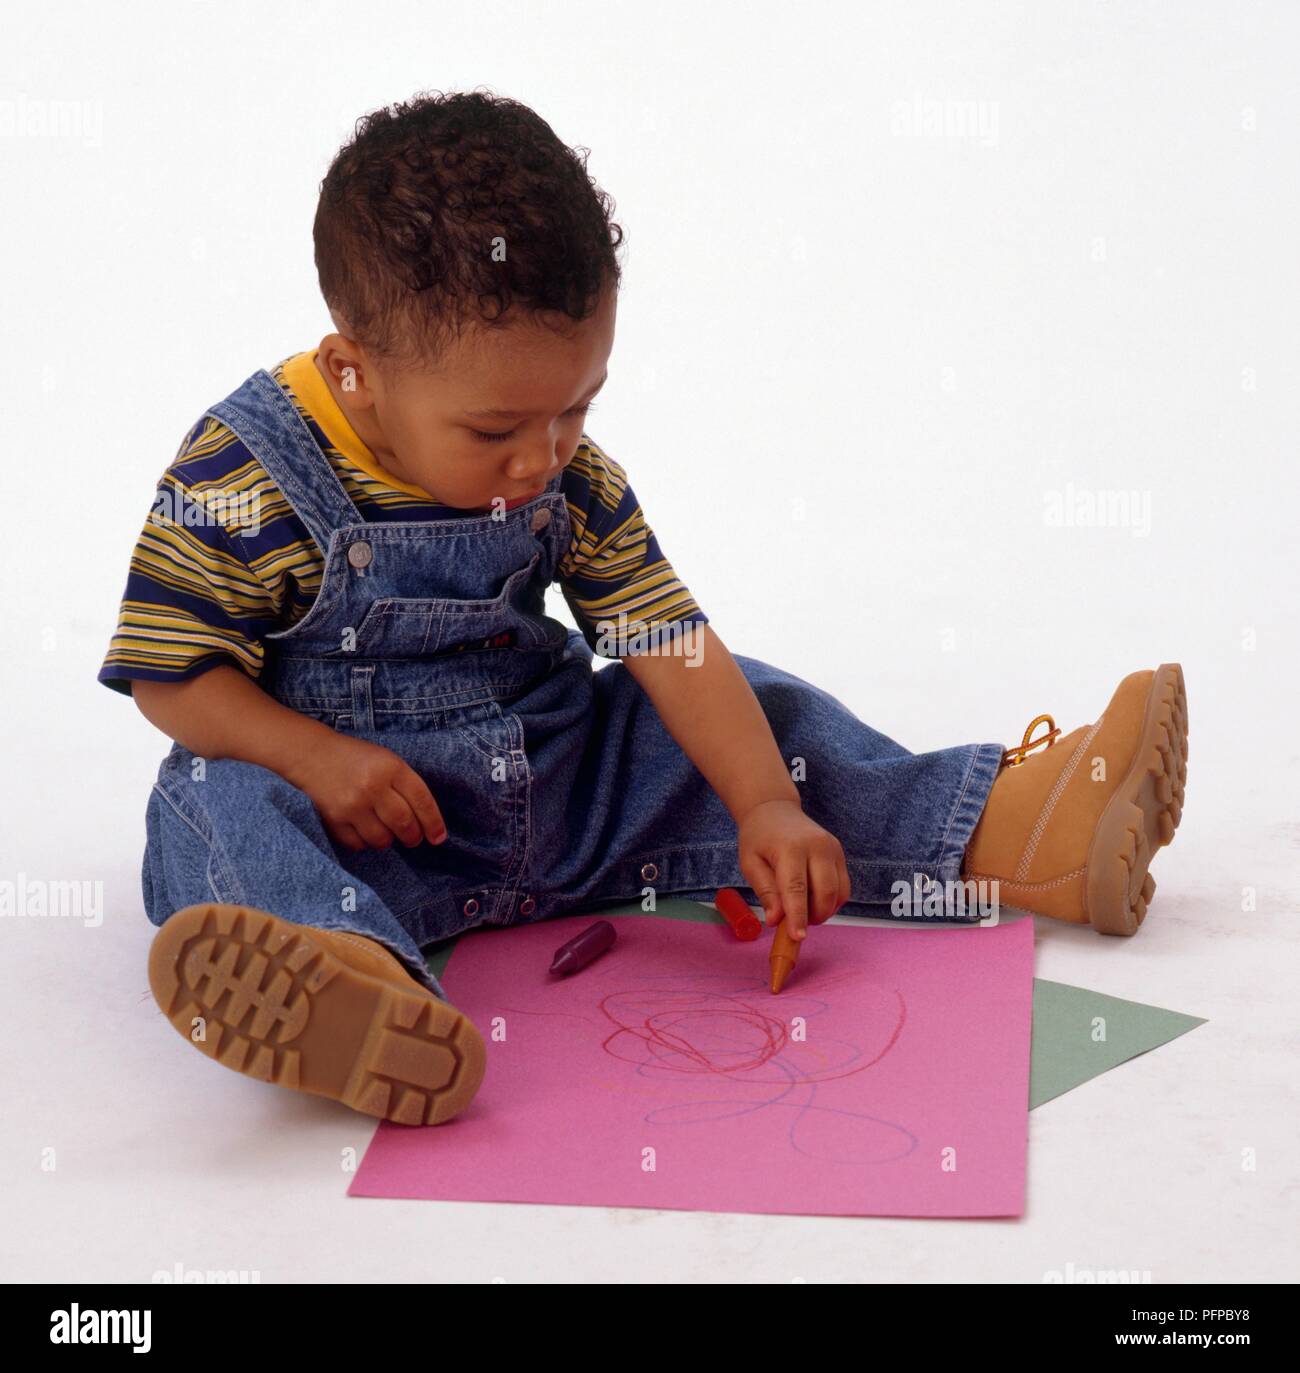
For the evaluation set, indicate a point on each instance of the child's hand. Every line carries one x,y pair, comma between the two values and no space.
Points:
367,796
795,867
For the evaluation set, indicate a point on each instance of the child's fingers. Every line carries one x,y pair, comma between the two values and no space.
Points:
394,810
825,888
347,836
417,795
792,883
759,875
375,834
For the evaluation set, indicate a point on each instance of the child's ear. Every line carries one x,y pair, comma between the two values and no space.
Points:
344,361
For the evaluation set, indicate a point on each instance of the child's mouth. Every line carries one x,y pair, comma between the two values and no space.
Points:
512,502
523,500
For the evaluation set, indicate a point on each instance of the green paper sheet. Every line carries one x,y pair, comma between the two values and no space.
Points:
1065,1050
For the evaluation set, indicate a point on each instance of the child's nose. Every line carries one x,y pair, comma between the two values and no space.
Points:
540,463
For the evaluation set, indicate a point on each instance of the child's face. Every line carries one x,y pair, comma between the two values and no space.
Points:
428,427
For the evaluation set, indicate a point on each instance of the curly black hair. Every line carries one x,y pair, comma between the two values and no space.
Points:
456,209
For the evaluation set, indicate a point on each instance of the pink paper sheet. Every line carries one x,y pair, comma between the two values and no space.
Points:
666,1074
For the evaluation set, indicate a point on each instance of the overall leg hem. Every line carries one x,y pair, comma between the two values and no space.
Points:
986,759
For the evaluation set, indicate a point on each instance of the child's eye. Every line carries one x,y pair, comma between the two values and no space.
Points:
484,437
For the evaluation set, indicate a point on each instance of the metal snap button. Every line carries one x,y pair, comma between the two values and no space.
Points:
541,518
471,907
360,554
527,906
649,872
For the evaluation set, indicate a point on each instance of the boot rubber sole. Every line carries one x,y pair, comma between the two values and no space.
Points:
278,1005
1143,814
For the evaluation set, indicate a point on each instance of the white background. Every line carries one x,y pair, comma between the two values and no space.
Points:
854,362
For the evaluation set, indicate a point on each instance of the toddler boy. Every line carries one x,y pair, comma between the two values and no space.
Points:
336,612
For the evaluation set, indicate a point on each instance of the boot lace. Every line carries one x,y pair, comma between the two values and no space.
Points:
1013,757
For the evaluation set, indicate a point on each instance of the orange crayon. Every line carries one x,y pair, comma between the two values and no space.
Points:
784,955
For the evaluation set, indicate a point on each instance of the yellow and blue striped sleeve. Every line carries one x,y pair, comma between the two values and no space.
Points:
623,592
199,592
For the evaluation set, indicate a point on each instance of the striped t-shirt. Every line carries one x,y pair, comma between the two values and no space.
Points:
204,591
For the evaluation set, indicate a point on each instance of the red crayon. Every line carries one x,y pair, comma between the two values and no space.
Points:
734,910
584,948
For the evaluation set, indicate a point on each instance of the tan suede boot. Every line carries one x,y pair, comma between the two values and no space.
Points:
1070,833
320,1011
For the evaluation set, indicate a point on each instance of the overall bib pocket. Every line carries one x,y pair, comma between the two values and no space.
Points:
416,627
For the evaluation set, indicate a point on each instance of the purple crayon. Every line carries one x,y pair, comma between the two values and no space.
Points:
584,948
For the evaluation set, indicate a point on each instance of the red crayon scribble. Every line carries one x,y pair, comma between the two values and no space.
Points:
690,1032
692,1028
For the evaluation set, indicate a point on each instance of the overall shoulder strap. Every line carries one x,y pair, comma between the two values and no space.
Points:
270,427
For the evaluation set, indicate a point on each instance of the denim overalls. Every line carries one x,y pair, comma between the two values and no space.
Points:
560,786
